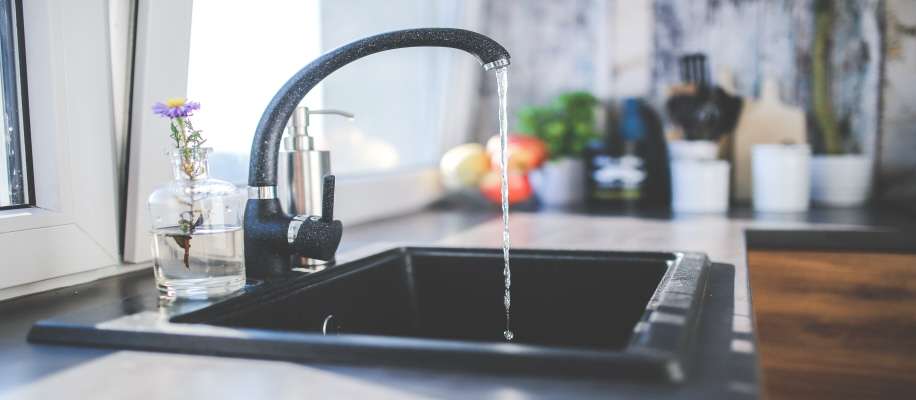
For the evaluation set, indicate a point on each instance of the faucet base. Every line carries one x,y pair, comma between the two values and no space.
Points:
266,251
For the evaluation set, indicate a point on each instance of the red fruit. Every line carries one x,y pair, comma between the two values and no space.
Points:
519,187
534,150
525,152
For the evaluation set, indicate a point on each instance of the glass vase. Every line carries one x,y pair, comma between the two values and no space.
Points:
197,231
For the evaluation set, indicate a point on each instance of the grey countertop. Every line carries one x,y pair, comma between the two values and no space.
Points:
42,371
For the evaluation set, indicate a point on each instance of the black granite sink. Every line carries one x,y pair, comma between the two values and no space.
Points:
605,313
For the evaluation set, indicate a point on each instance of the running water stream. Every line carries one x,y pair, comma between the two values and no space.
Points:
502,85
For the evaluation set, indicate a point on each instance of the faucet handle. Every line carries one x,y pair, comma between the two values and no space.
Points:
327,198
313,237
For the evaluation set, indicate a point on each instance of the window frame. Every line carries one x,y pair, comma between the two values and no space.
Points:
72,224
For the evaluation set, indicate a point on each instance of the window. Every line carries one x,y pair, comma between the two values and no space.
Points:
235,72
62,163
410,104
396,96
70,224
15,180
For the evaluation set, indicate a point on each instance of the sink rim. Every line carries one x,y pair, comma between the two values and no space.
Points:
661,336
658,349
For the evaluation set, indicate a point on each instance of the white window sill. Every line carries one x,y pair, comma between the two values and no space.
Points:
30,218
78,278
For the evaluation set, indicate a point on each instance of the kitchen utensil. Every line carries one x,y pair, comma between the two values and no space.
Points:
704,112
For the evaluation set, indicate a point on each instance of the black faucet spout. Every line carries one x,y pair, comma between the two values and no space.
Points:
266,145
272,236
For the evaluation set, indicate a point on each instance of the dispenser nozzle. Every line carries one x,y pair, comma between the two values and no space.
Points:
299,138
334,112
301,118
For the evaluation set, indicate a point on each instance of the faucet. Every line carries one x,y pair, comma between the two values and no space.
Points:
271,235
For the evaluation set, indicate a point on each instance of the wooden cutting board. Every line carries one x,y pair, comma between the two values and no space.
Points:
763,121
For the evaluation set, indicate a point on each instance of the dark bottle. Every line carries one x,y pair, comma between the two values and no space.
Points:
629,168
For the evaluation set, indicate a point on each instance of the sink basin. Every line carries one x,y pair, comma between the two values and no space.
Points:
605,313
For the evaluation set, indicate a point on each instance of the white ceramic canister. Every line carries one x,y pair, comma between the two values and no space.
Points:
693,150
781,178
699,186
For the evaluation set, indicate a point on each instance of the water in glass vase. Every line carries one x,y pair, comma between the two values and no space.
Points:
197,228
209,263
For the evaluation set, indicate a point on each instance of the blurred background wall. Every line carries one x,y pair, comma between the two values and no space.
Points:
622,48
897,141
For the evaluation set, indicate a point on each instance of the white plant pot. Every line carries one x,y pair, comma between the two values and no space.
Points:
560,182
840,180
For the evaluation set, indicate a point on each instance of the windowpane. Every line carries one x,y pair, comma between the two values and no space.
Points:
241,55
397,96
14,182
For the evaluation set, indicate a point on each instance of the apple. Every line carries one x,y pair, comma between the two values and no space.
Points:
525,152
463,166
519,187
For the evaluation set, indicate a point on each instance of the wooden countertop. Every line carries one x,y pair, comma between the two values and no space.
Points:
835,325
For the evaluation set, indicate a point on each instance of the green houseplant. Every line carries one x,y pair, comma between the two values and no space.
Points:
840,174
566,125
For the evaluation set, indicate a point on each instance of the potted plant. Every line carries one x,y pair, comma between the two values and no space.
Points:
840,174
566,126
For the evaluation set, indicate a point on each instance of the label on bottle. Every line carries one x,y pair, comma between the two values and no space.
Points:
616,178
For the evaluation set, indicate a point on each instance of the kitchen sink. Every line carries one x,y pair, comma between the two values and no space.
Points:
583,312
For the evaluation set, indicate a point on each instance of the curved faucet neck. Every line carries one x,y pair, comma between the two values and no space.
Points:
262,170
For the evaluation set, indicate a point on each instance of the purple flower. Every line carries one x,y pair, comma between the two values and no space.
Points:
176,108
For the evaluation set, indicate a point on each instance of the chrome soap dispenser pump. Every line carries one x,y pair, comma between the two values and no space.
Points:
302,169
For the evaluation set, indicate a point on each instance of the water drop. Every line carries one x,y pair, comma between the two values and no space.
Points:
508,335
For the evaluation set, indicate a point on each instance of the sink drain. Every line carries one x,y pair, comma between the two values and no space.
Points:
330,326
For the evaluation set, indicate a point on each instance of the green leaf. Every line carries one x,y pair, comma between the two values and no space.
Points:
566,125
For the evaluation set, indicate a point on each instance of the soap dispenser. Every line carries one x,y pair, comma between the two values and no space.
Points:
301,171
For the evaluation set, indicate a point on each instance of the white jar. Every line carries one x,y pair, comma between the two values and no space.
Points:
699,181
693,149
699,186
781,179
